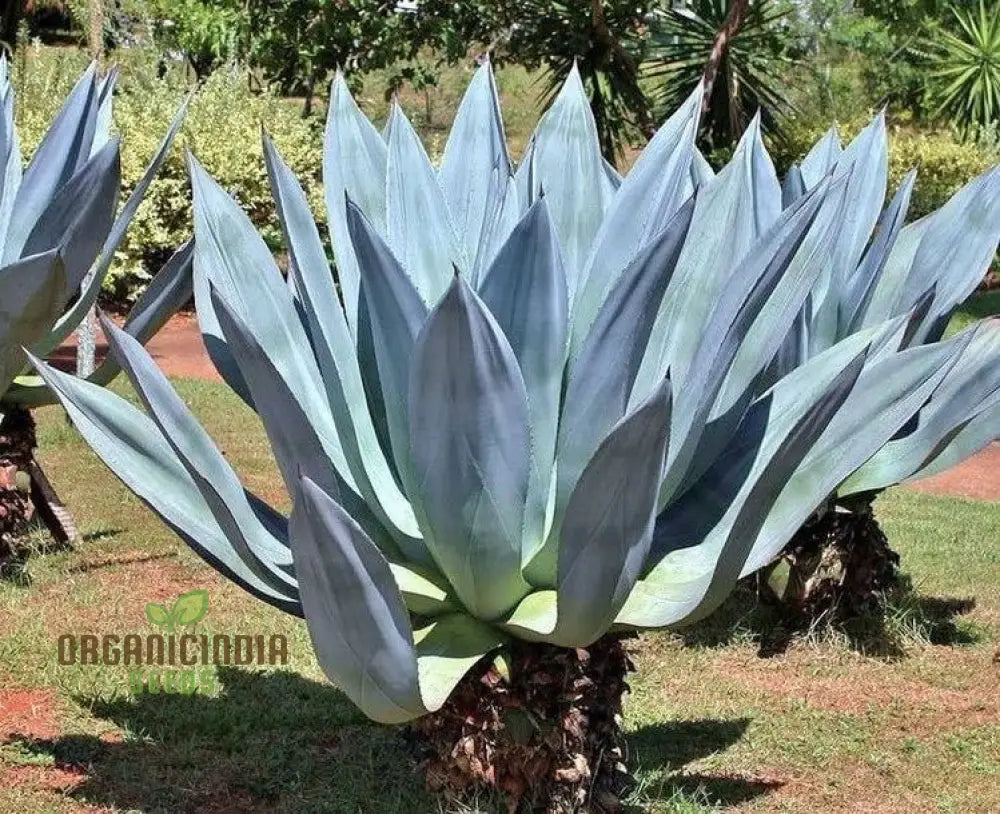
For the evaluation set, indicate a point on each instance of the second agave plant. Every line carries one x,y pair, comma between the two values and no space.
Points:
59,230
541,414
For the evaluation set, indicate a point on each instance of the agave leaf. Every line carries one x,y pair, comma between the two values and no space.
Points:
338,363
470,441
763,339
103,120
230,253
701,170
357,620
732,211
69,321
10,166
976,434
821,159
214,341
887,395
424,591
394,313
354,163
475,160
974,380
649,196
608,528
525,289
760,279
79,216
504,212
32,291
170,289
447,650
534,618
221,489
132,446
418,224
166,292
793,187
866,162
705,538
866,278
568,168
62,152
296,446
600,378
960,238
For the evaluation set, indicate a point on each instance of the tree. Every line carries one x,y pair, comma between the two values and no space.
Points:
739,49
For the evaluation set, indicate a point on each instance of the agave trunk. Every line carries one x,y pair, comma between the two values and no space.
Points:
837,564
549,737
17,449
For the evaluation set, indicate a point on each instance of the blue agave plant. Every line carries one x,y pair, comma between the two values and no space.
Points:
59,230
544,407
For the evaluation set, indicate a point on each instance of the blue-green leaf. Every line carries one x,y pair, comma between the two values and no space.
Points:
357,620
470,441
525,289
475,160
419,228
131,445
608,528
354,162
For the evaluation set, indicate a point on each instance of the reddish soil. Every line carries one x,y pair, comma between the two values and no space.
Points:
180,352
977,478
27,713
177,349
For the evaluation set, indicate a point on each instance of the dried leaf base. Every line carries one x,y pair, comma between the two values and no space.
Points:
837,565
550,739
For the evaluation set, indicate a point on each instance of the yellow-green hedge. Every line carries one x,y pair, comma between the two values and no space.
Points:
944,163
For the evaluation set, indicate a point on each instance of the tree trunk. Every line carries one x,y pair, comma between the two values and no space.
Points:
734,20
17,450
549,736
837,565
24,488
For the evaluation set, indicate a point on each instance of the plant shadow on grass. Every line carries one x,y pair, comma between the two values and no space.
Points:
35,541
902,618
276,742
675,744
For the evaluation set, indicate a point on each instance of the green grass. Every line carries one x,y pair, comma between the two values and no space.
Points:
714,725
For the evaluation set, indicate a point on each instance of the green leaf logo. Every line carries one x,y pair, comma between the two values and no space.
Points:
190,607
157,614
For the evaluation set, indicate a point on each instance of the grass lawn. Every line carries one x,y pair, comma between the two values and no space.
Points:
731,716
979,305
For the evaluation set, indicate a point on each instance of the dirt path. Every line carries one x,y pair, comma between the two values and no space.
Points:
179,351
977,478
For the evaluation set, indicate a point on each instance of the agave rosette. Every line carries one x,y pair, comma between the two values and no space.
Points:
546,407
885,267
60,228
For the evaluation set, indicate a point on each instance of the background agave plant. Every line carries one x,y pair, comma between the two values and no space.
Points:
58,234
537,420
885,268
